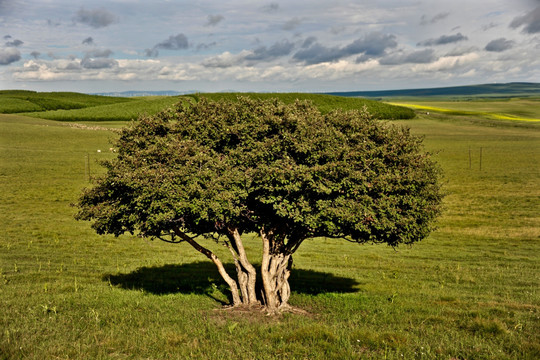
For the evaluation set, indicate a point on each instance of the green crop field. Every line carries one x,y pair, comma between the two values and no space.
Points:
469,291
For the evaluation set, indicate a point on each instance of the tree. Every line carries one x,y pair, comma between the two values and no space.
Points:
286,172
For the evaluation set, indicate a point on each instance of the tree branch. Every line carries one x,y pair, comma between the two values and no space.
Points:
209,254
292,245
172,241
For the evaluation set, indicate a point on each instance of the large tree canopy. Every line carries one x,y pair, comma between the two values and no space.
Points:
286,172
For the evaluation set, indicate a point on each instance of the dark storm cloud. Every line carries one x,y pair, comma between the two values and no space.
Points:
530,22
97,18
35,54
372,45
263,53
14,43
425,20
174,42
88,41
98,59
443,40
213,20
9,55
499,45
416,57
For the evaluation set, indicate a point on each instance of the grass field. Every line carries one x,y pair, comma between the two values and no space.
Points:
92,108
327,103
499,109
20,101
469,291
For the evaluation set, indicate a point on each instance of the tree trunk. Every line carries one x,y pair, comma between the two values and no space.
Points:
247,275
275,272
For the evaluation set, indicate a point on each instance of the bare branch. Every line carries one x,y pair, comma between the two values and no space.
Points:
172,241
209,254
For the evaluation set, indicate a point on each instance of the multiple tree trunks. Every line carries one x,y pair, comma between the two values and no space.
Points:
275,272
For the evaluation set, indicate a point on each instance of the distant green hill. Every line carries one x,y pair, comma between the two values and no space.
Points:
82,107
325,103
485,90
20,101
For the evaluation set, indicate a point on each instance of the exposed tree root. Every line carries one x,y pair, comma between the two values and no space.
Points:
257,308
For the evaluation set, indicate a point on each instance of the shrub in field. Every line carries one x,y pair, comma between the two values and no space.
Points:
286,172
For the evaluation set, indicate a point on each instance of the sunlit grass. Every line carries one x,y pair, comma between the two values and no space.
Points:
510,109
124,111
469,291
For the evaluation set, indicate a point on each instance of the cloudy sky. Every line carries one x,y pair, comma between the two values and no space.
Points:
294,45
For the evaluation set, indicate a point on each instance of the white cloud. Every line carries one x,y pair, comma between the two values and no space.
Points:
226,59
348,45
447,63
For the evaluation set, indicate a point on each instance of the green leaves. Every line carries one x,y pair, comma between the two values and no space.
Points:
252,164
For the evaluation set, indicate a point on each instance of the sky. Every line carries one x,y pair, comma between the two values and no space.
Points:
266,46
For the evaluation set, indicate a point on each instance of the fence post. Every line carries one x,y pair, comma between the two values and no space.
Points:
87,168
480,158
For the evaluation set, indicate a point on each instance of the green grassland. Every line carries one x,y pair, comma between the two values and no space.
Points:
91,108
124,111
490,91
326,103
527,109
21,101
469,291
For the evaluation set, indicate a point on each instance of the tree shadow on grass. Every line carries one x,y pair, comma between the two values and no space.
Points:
203,278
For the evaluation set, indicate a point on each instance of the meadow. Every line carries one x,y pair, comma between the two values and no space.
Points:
20,101
86,108
521,109
468,291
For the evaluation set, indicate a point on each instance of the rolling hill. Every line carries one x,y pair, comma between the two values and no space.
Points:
520,89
